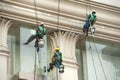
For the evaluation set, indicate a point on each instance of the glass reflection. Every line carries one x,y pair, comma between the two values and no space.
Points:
103,60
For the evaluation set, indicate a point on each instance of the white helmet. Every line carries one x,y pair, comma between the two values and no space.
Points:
93,11
42,23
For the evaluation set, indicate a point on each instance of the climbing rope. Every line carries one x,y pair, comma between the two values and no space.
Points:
92,58
39,59
58,18
36,15
99,57
58,15
35,48
96,51
97,54
88,8
112,51
58,43
35,64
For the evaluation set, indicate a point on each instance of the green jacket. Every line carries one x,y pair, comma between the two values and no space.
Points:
41,30
92,17
58,55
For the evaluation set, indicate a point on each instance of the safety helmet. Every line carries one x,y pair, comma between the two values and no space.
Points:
42,23
93,11
57,49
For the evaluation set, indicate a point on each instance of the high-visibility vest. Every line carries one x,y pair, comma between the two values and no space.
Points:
92,17
42,30
58,55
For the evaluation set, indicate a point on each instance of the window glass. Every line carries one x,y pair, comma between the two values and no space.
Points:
102,60
22,57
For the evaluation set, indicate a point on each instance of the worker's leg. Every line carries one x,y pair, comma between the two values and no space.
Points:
31,38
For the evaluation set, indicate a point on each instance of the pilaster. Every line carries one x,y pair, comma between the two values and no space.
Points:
67,43
4,25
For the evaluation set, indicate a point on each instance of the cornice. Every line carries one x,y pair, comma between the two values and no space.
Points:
78,21
98,5
92,4
32,21
99,34
75,16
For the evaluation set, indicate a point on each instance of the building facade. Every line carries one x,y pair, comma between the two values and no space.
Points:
90,58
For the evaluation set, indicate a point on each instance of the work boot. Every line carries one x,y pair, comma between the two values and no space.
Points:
48,70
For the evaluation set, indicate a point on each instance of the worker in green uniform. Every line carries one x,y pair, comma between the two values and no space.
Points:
92,18
40,32
56,60
89,22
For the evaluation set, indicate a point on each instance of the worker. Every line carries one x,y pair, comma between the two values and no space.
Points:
89,23
92,18
40,32
56,60
86,27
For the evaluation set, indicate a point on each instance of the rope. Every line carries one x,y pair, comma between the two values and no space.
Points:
95,48
84,28
36,12
39,59
58,16
35,64
113,49
113,54
92,58
89,6
82,59
35,49
99,58
88,15
58,22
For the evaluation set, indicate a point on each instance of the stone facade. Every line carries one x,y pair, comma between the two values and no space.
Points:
4,53
67,43
70,27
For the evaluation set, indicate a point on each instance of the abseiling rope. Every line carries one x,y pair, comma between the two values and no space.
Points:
35,48
92,58
99,58
35,64
36,15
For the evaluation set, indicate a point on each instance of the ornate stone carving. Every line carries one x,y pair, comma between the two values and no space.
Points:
4,26
66,41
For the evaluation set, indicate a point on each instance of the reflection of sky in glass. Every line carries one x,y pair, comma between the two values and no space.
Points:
101,63
27,51
33,32
22,56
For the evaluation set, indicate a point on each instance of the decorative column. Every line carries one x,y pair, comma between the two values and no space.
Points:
4,25
67,43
